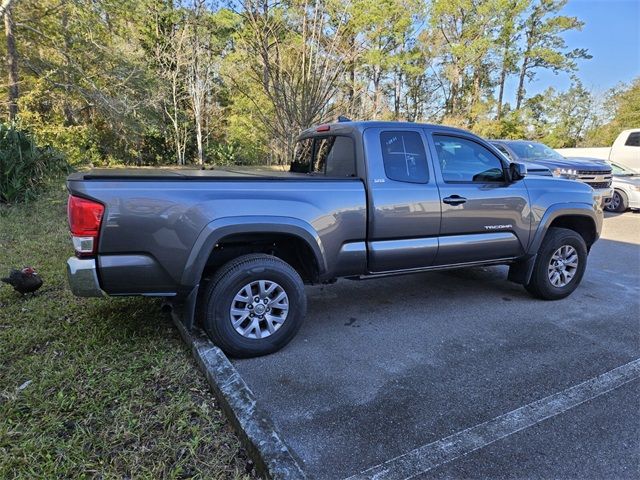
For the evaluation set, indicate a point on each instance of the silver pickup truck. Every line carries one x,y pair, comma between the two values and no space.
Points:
361,200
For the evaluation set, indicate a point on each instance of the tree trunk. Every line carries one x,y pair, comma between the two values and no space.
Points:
266,73
397,95
12,66
450,108
523,69
351,88
199,141
66,106
503,78
475,97
523,73
376,90
180,144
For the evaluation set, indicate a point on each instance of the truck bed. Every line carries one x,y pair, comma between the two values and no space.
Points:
157,221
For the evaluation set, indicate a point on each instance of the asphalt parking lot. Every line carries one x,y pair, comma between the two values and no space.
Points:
384,370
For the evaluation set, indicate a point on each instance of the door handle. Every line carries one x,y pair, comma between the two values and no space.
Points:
454,200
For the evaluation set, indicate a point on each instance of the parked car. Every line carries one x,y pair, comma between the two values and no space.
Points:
363,200
625,151
595,173
626,186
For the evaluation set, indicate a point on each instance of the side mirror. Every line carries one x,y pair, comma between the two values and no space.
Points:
518,171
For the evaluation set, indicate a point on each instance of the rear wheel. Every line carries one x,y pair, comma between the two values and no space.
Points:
618,203
559,266
253,306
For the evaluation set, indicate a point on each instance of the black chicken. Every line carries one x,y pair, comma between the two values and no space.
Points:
24,281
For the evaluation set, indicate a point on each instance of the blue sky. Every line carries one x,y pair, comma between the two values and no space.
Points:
611,34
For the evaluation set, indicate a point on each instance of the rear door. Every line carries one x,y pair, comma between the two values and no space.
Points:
484,217
403,200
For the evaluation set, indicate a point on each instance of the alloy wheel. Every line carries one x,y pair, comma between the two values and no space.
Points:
563,266
259,309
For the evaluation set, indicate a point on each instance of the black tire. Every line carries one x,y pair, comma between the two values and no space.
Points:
220,291
618,203
540,285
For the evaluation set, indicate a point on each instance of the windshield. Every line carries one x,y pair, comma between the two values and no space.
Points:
533,151
620,170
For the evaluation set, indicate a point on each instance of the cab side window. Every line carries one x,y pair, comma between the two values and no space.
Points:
404,157
465,161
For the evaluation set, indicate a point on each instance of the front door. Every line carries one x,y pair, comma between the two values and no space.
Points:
484,217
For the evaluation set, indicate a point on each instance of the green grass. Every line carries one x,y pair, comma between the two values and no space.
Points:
113,392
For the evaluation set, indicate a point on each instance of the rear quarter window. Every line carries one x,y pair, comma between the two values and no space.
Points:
302,156
331,155
336,157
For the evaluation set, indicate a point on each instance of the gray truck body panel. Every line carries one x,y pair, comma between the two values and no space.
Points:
160,226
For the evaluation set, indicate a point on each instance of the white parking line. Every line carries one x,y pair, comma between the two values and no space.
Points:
432,455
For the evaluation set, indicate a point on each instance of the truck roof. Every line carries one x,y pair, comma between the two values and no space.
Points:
360,126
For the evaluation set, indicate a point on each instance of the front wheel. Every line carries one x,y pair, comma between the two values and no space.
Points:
254,305
618,202
560,265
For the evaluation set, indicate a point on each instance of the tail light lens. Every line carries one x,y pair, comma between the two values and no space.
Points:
85,217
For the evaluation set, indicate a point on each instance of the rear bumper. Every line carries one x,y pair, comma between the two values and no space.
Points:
83,277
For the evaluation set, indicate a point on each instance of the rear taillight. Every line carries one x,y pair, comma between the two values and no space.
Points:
84,222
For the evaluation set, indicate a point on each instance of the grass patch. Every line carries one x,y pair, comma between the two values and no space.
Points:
108,388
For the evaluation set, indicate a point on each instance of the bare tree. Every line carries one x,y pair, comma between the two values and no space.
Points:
173,61
297,57
202,69
199,81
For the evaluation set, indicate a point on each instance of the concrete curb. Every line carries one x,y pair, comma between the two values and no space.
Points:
268,451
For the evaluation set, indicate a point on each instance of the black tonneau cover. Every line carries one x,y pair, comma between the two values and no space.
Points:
166,174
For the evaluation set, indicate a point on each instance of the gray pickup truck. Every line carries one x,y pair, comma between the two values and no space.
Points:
361,200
